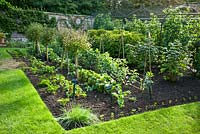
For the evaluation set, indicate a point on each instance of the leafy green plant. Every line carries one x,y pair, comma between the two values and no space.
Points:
103,83
103,21
111,41
197,63
34,33
18,44
138,54
63,101
74,41
103,63
174,61
100,82
147,83
133,99
47,37
39,67
120,95
176,27
58,81
52,88
77,117
68,87
2,35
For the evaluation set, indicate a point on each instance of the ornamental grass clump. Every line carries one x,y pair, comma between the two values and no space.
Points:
77,117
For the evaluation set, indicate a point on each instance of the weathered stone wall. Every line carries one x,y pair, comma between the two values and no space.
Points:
82,22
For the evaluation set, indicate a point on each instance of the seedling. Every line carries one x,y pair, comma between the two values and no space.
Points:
101,117
133,99
112,115
63,101
133,111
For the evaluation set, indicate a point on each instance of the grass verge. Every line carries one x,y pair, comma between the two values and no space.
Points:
183,119
4,55
21,109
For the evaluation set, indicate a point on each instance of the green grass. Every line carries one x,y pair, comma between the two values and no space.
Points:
21,109
184,119
4,54
23,112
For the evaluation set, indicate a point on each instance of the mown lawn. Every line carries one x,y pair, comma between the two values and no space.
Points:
23,112
21,109
184,119
4,55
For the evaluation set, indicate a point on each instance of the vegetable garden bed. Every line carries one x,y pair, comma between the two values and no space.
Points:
165,94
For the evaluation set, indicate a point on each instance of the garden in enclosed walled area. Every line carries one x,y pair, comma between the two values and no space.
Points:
119,68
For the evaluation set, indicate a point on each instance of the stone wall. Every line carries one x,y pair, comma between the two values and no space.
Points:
82,22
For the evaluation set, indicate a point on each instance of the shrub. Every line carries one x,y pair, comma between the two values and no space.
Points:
197,63
2,35
77,117
138,55
39,67
176,27
174,61
19,44
34,33
47,38
103,21
95,81
111,41
54,82
103,63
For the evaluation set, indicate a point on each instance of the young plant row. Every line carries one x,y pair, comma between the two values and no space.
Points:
90,81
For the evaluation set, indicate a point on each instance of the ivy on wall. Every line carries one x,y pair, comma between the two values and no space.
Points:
16,19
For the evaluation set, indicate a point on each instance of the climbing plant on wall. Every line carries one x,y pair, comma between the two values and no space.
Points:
16,19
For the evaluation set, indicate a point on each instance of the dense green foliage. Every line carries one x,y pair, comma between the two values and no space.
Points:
197,63
39,67
34,34
4,55
112,41
90,7
77,117
16,19
174,61
22,110
74,41
48,36
138,55
177,119
103,63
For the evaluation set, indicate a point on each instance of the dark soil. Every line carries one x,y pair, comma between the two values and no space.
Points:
165,94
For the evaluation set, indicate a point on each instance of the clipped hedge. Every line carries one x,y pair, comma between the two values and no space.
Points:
111,41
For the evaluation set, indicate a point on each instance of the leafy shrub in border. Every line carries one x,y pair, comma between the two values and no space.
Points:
137,54
77,117
58,81
174,61
52,88
103,83
111,41
103,63
19,44
197,63
18,53
39,67
95,81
